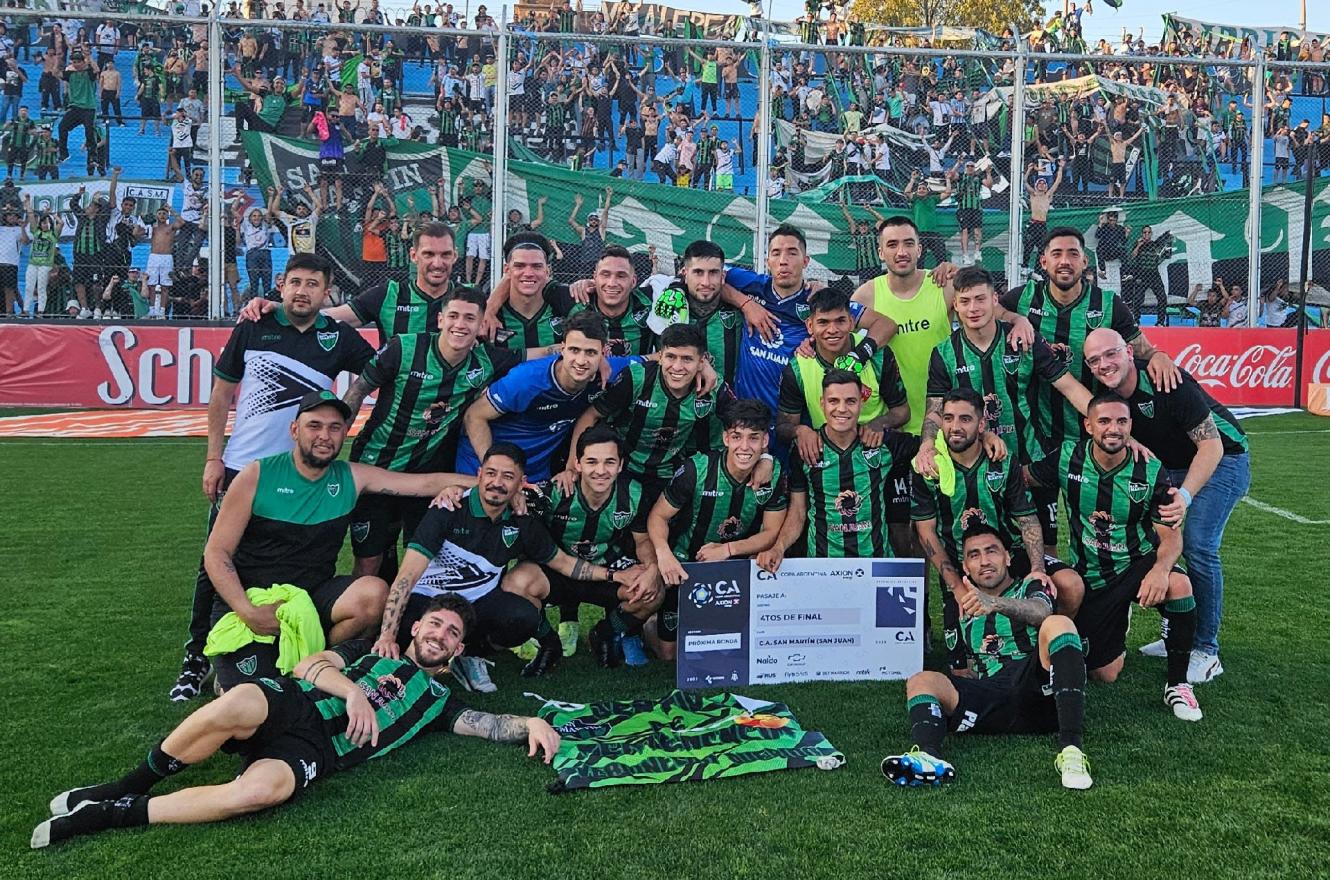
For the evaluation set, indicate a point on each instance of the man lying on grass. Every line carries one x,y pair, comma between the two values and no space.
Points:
340,708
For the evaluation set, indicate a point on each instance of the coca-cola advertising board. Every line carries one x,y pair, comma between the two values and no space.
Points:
135,366
148,366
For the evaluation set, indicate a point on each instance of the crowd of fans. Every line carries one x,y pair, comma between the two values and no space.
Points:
883,130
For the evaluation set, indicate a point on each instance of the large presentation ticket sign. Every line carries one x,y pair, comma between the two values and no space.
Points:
814,620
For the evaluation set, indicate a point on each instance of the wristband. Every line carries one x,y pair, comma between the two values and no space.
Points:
865,350
1186,496
214,458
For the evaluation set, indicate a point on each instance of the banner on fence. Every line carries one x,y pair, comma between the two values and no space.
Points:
135,366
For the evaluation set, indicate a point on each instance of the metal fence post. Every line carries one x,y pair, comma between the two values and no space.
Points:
762,161
1254,179
499,195
1015,251
216,243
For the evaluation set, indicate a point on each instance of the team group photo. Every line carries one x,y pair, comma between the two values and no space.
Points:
529,400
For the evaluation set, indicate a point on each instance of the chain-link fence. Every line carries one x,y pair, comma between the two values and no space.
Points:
340,139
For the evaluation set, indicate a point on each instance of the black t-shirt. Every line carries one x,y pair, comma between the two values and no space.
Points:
1161,420
469,552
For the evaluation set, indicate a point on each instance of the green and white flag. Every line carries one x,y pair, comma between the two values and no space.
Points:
686,737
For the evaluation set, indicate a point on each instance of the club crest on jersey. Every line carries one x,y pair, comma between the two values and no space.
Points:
473,377
702,406
334,489
248,666
729,319
327,339
621,518
803,310
1147,408
972,515
556,324
640,316
509,534
872,457
1011,363
848,503
995,474
359,531
729,528
762,494
1138,492
1094,317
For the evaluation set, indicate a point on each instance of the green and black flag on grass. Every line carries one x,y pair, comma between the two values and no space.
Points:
685,737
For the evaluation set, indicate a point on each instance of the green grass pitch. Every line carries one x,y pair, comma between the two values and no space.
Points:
101,540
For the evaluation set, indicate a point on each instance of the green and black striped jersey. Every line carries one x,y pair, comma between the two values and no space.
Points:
421,398
1161,421
398,250
995,641
991,492
602,535
1065,327
724,329
406,700
628,332
398,308
970,191
849,491
296,526
714,507
865,251
657,427
1112,512
1008,381
544,328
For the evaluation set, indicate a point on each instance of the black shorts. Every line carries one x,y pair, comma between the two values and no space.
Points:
8,277
293,733
667,619
1020,700
1046,508
324,596
150,108
87,269
377,520
566,591
331,168
1281,162
503,620
1020,565
731,90
1117,172
970,218
182,154
1104,614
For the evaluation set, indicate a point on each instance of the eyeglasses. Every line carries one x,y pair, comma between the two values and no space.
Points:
1109,353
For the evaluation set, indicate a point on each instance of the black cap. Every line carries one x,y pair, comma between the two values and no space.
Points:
316,399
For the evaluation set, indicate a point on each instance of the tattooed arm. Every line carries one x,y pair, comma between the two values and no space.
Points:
412,567
1163,372
356,394
925,462
537,734
937,554
1209,452
1032,534
975,603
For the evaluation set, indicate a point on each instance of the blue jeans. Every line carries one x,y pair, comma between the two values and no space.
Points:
1202,533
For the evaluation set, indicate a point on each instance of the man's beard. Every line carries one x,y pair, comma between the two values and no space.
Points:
309,458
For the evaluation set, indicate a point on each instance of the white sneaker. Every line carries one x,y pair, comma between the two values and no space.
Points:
473,674
1183,702
1154,649
96,314
85,314
1203,667
1074,767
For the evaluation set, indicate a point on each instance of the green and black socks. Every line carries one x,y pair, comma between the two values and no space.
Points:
1179,629
1067,678
927,723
